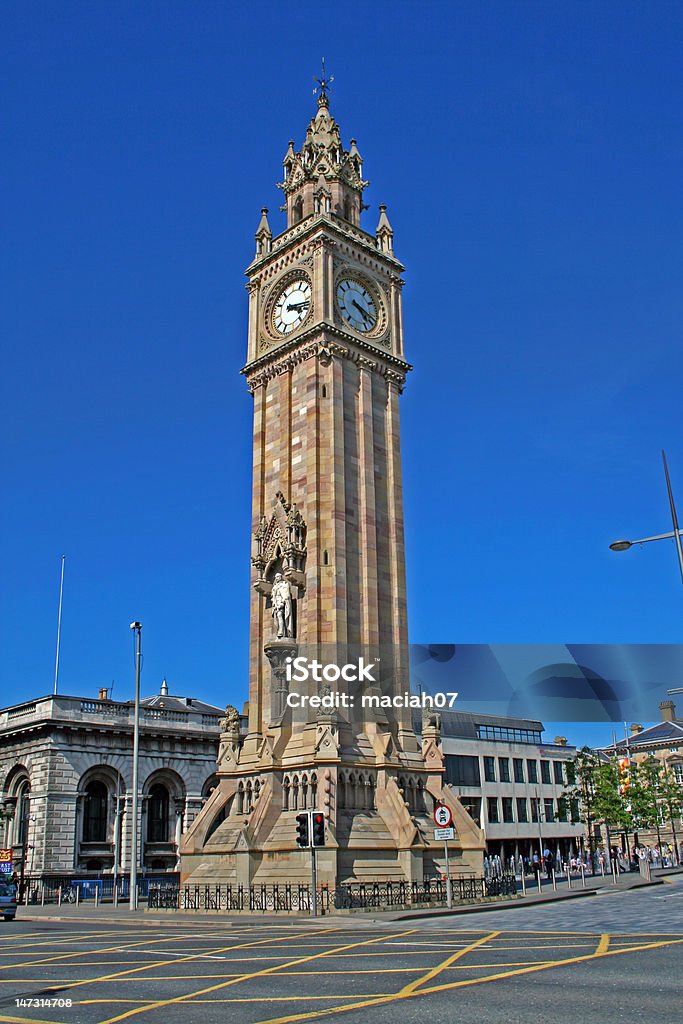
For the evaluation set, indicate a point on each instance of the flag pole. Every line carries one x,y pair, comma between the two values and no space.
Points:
59,625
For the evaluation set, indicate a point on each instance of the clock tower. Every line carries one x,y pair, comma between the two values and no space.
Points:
326,367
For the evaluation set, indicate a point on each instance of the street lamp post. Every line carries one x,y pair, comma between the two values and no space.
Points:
137,628
676,534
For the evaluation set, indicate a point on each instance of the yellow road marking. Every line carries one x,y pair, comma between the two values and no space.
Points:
163,963
603,944
447,963
256,974
379,1000
89,952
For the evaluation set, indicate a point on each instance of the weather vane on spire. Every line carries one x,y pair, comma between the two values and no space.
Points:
324,84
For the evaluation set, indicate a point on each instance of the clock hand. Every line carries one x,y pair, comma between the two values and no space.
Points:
363,312
297,305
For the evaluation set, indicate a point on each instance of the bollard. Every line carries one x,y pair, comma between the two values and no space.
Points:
569,877
97,895
116,896
59,896
523,884
583,877
540,884
554,882
42,896
615,880
78,894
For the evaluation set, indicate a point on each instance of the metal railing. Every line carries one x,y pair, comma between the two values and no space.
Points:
353,896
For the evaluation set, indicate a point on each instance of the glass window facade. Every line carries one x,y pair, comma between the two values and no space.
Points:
518,768
545,772
532,771
522,810
557,772
507,809
504,768
490,769
492,809
501,732
548,810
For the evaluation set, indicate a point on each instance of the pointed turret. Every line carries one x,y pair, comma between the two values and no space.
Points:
323,177
264,236
385,234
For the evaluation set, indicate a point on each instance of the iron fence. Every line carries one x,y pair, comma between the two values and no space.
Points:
352,896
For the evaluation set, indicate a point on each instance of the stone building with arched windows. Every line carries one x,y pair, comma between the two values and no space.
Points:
66,768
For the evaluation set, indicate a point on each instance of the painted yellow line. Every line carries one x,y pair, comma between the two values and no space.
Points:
256,974
447,963
603,944
90,952
163,963
379,1000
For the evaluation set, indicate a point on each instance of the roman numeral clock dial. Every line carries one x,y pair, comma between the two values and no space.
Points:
292,306
357,305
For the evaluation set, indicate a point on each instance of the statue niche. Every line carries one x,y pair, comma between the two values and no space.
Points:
280,564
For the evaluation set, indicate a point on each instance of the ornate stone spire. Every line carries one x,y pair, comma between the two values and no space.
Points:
323,177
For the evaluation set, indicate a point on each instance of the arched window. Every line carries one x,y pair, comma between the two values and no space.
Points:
240,798
23,812
314,790
341,790
298,210
95,813
304,792
249,801
157,814
371,794
285,794
295,794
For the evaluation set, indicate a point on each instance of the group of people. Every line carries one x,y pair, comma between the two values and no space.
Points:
597,862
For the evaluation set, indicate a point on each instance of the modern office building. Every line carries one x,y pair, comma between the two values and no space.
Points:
511,782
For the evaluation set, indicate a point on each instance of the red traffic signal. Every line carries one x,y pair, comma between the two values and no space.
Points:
318,822
302,836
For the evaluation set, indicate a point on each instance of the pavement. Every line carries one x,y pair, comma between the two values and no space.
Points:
106,913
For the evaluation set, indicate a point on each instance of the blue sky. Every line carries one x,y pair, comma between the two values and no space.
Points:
531,157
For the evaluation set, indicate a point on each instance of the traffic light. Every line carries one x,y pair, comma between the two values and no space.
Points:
302,838
318,819
624,775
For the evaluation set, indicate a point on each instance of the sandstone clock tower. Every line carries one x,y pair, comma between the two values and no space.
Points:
326,367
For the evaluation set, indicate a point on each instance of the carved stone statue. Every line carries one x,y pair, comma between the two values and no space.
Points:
231,722
281,597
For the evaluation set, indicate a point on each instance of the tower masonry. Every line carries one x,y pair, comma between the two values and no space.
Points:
326,368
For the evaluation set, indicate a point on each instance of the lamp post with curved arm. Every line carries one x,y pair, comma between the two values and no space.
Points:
676,534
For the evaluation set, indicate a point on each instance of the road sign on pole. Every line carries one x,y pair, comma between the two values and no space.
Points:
444,833
443,816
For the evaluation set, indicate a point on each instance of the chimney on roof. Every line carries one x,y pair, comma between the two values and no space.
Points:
636,728
668,710
188,701
104,693
163,689
561,741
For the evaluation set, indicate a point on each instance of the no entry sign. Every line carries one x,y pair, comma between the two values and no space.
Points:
442,816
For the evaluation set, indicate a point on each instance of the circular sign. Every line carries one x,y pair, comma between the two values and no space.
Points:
442,816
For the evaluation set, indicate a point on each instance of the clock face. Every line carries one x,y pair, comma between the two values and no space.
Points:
292,306
357,305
